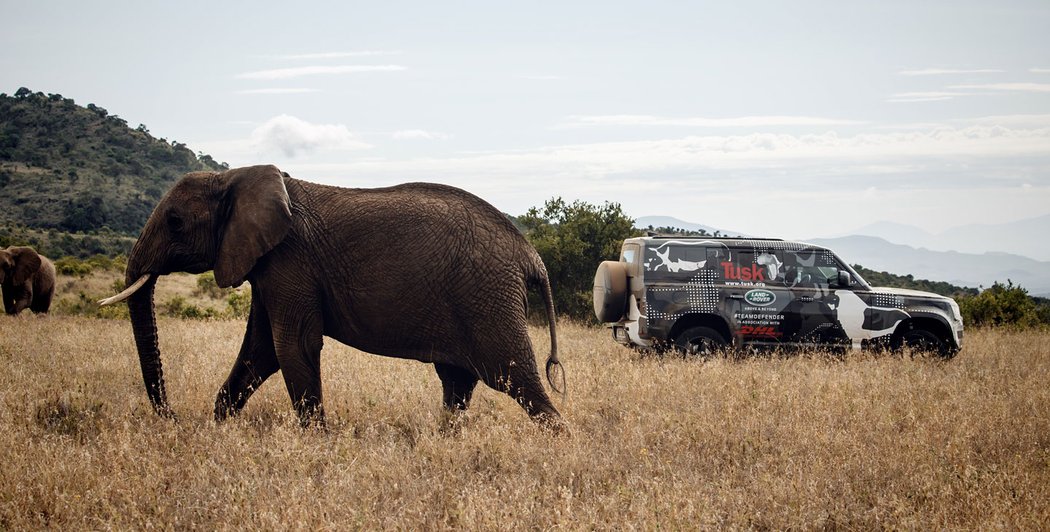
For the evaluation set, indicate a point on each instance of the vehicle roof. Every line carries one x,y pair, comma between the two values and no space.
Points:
730,242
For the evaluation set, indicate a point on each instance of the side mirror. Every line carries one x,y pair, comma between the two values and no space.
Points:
845,281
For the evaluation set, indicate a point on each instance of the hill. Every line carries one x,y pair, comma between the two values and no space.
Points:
877,278
73,168
965,269
1015,237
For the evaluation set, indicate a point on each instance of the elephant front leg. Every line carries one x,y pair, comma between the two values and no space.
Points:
255,363
20,302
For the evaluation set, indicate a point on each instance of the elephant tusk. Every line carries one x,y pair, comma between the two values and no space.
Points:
126,293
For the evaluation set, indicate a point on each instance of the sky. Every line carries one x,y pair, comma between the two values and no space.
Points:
781,119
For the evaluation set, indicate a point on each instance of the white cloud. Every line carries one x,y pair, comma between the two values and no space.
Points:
1029,121
418,134
286,73
1018,87
744,121
799,157
943,170
929,96
333,55
946,71
538,77
292,135
1039,70
278,91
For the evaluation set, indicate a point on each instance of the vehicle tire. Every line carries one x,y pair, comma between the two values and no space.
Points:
923,340
610,291
701,342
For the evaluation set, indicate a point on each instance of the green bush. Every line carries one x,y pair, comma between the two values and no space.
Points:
240,304
73,266
85,305
1002,305
572,239
206,286
76,267
177,307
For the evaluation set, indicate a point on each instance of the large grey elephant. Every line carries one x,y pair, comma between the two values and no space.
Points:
27,280
418,271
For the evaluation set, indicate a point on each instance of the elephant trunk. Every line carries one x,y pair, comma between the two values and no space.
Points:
144,326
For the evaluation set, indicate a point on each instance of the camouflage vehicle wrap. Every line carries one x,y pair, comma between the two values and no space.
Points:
765,292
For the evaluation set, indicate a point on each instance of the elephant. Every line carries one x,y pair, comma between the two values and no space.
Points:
27,279
415,271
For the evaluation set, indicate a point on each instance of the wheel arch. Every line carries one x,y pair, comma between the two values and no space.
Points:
713,321
930,322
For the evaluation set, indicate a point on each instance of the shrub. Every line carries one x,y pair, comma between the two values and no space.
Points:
72,266
177,307
240,303
206,286
572,239
85,305
1001,305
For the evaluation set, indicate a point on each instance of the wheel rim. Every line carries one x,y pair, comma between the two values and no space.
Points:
701,347
922,341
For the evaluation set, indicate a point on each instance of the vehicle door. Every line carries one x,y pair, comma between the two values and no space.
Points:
754,295
810,279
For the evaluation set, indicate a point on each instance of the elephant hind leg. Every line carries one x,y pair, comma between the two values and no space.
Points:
457,386
42,302
521,380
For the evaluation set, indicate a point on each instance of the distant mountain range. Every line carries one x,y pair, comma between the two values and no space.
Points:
965,269
917,258
1024,237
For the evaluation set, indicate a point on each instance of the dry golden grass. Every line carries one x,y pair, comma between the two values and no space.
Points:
773,442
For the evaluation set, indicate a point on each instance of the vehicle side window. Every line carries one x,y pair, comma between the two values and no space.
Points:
631,255
716,256
628,255
771,262
811,269
695,254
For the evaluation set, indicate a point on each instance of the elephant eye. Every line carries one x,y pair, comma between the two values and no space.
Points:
174,222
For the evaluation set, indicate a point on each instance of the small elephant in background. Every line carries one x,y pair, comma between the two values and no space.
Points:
27,279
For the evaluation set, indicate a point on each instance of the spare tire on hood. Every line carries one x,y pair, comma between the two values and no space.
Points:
610,291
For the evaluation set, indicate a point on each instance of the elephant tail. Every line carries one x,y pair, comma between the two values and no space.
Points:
554,366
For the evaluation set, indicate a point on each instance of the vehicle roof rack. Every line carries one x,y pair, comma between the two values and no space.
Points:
650,234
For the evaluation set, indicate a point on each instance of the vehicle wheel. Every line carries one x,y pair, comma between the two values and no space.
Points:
610,291
925,341
702,342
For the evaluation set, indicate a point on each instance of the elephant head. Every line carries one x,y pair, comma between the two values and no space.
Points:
207,221
17,264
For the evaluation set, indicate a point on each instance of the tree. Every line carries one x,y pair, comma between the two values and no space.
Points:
1000,305
572,239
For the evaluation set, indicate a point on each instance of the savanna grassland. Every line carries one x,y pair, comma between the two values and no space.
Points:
808,441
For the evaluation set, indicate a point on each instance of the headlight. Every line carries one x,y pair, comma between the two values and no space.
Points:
956,313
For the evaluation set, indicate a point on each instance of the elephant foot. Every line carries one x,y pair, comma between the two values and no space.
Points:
312,417
553,423
453,421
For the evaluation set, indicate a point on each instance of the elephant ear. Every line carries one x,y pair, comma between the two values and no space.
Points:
27,261
259,216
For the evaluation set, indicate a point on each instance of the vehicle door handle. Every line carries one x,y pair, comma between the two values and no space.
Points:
805,299
736,296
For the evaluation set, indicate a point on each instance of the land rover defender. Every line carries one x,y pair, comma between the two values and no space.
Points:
701,295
